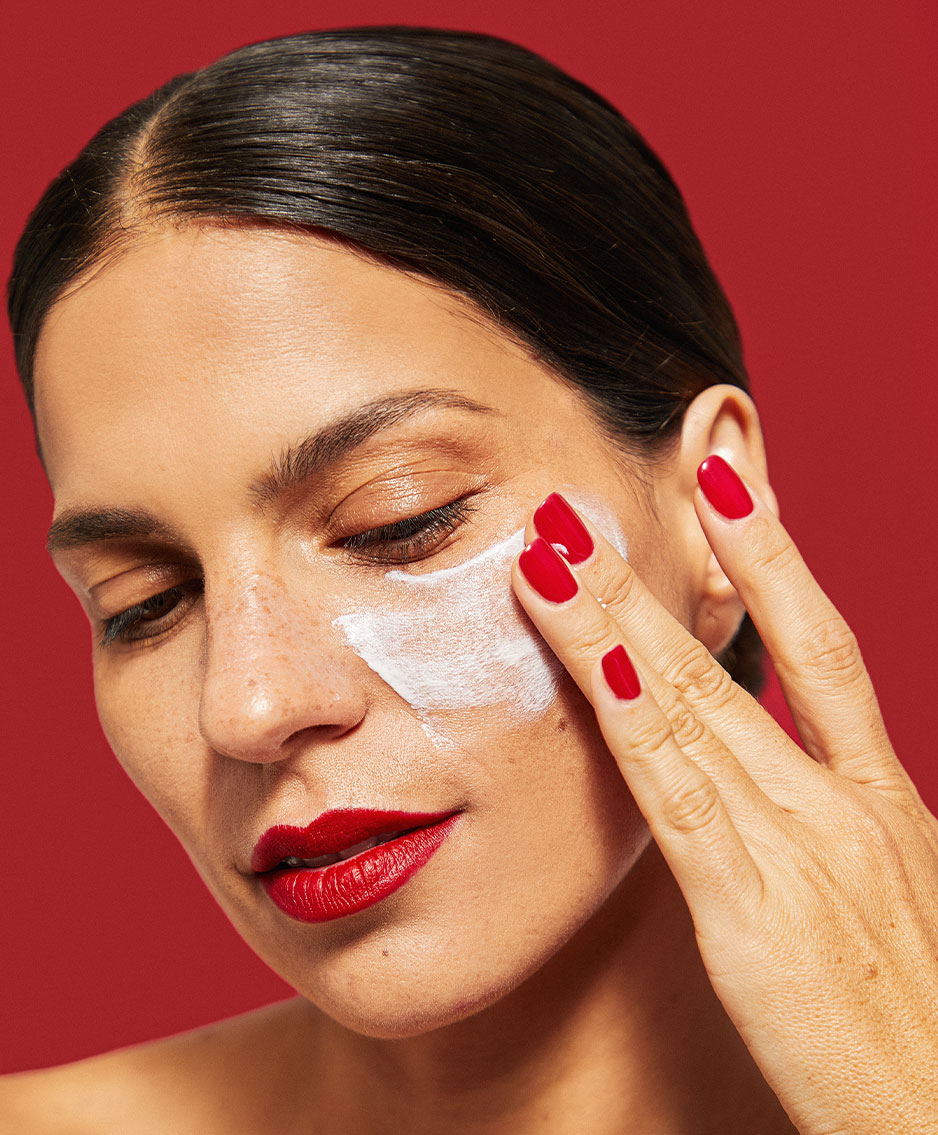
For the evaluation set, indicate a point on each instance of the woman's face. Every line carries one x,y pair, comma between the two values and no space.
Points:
176,391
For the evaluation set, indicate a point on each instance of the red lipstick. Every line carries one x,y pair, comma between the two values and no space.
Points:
321,872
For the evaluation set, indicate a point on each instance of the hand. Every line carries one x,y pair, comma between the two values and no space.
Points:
811,877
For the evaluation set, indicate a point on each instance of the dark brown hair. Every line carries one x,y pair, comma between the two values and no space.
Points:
456,155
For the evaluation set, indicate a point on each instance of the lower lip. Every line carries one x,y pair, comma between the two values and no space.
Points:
319,894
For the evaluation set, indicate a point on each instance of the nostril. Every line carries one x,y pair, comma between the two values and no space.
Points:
324,732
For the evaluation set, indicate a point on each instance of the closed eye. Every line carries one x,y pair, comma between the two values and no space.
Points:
404,541
152,616
412,539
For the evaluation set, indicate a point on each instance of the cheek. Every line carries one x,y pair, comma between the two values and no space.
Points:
148,726
555,781
459,648
455,640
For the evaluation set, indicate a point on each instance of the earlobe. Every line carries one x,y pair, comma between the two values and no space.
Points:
718,610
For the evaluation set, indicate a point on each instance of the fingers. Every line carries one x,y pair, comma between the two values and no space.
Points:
814,652
759,743
580,631
702,807
686,812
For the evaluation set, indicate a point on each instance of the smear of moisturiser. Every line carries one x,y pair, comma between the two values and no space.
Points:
458,638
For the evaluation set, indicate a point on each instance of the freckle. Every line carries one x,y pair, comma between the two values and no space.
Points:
384,953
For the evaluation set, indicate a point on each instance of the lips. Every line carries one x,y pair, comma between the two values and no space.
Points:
346,859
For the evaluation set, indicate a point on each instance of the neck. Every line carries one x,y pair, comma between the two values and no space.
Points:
620,1031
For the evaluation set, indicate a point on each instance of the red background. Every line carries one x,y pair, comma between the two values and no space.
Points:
802,137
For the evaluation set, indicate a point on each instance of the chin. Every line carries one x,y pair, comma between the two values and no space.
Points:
398,1014
403,969
396,985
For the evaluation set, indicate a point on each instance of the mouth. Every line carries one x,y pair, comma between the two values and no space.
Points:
346,859
345,853
338,834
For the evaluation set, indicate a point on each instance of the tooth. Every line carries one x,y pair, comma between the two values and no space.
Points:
346,853
365,845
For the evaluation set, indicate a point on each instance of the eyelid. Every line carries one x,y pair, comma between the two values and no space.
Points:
425,538
154,577
394,529
428,531
116,625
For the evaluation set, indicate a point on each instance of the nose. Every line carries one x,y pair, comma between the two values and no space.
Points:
275,671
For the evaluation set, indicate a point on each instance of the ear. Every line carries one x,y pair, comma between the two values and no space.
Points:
722,419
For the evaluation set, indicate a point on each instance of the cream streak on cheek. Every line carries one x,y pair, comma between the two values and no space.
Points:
452,639
458,638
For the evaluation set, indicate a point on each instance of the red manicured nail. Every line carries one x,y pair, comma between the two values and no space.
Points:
723,488
620,674
556,521
543,568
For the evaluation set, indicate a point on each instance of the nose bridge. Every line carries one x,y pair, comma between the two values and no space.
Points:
273,663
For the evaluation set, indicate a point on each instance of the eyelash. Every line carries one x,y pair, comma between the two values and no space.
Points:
396,543
404,541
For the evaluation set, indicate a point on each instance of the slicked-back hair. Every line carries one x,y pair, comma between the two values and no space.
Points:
459,156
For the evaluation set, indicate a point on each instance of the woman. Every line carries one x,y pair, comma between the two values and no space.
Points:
375,373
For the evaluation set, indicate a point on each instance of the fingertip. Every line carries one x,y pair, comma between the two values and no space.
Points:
619,674
723,488
561,524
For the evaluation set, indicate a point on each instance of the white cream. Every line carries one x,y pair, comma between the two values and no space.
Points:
458,638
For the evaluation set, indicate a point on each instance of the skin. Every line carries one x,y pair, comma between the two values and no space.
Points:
614,994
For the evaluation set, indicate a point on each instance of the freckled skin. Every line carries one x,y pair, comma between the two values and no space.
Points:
283,720
167,382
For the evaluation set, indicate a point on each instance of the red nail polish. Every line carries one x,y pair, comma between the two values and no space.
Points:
723,488
543,568
620,674
556,521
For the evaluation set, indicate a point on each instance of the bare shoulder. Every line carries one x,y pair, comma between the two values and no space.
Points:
196,1082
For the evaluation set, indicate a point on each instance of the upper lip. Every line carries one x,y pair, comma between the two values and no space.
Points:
334,830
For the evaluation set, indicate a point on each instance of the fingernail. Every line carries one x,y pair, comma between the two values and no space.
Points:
556,521
723,488
620,674
543,568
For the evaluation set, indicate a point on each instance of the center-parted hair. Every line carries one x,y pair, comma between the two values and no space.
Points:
459,156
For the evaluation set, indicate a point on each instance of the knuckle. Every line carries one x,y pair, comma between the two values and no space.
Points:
694,808
833,650
864,825
649,736
622,588
697,674
590,641
625,584
874,831
686,726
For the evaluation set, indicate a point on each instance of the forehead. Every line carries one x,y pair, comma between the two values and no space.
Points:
210,333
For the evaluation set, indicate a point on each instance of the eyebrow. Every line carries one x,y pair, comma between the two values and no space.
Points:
77,527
